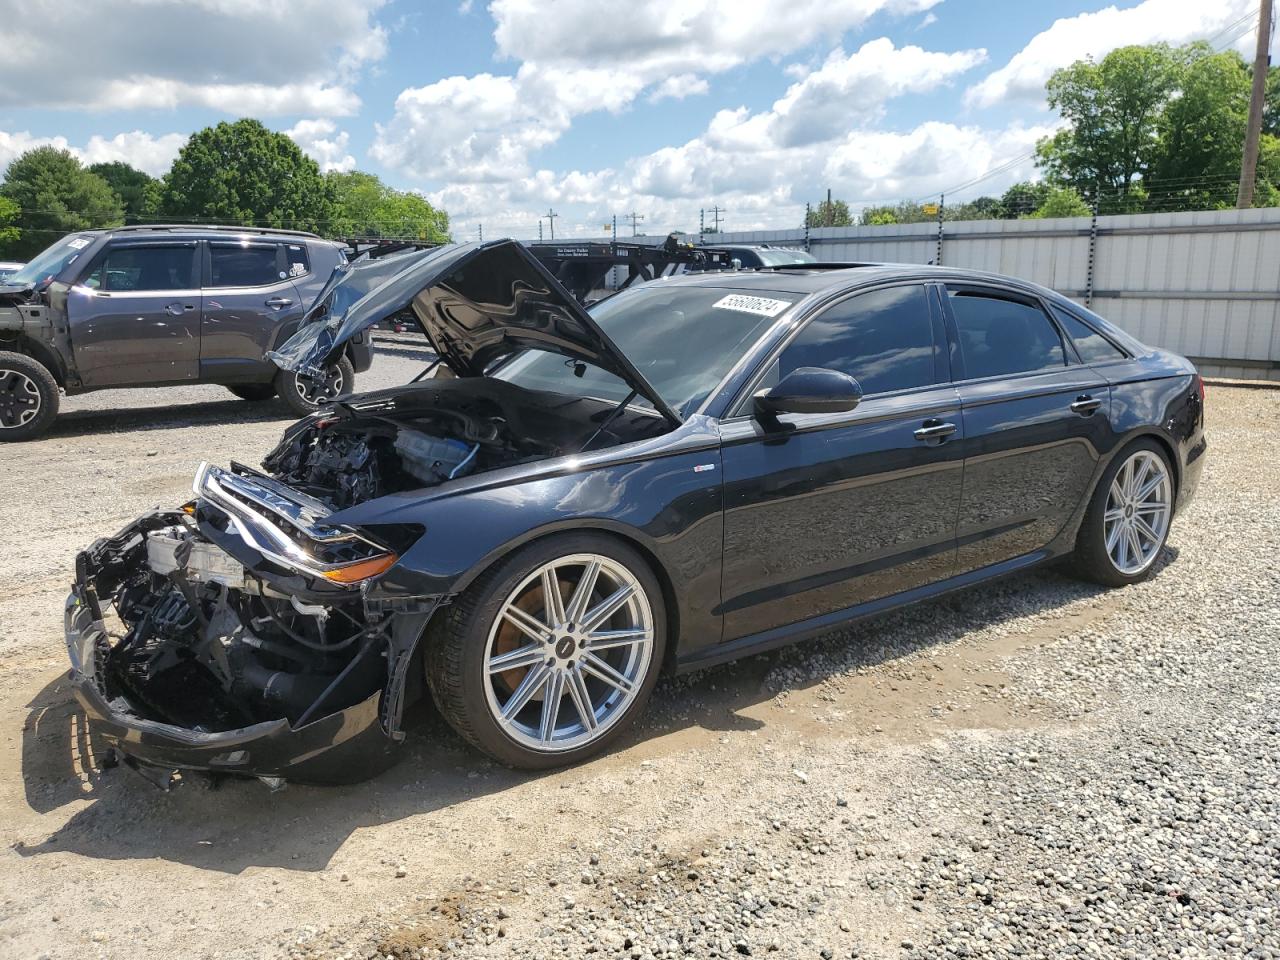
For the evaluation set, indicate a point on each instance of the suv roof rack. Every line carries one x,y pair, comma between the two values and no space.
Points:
217,227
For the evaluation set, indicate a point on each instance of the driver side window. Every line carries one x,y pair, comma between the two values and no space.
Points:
884,339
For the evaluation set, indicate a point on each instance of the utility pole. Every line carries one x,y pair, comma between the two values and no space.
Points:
715,213
1249,163
635,218
702,222
551,221
539,229
480,232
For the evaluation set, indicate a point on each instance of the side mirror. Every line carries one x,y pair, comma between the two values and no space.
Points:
809,390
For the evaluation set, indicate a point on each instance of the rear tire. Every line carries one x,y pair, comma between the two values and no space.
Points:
599,675
254,392
306,395
28,397
1127,523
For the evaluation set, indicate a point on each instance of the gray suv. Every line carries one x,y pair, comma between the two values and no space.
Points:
146,306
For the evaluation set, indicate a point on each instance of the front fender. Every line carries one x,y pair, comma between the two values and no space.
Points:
668,503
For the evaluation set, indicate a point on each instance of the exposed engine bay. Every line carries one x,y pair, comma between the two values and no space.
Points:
424,435
246,606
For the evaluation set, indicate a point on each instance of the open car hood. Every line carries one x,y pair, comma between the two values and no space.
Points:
476,302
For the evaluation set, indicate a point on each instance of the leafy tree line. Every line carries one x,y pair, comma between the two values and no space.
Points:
233,173
1148,129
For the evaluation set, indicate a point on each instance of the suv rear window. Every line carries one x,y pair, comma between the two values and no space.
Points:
243,265
296,255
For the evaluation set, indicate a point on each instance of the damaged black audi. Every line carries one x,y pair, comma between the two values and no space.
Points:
569,502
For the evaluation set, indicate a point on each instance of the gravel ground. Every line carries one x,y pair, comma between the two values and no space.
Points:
1036,768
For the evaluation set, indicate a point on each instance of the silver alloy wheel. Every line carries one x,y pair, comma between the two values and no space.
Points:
314,390
578,630
19,399
1139,505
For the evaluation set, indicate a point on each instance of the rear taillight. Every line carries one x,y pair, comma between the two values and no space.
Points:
1200,387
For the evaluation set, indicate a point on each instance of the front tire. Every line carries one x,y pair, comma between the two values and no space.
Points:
306,395
1127,522
548,657
28,397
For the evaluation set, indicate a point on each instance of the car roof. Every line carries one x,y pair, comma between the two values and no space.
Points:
207,231
816,278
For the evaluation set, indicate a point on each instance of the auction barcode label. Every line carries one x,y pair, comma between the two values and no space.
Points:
764,306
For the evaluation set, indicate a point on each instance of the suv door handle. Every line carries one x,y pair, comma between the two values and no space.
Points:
278,302
1085,405
935,430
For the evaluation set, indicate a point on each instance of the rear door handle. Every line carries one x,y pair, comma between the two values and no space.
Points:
1085,405
278,302
935,430
178,309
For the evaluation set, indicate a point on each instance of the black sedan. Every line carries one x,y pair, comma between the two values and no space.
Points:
697,469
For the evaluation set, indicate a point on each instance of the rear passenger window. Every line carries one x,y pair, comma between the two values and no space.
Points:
1003,337
1092,346
238,265
297,259
883,339
140,269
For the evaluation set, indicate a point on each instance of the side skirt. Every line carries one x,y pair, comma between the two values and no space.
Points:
815,626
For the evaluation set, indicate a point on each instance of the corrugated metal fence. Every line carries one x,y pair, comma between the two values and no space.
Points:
1205,284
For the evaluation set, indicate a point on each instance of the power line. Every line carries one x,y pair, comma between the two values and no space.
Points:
635,218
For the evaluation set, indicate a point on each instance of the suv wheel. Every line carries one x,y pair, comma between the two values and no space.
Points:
304,395
28,397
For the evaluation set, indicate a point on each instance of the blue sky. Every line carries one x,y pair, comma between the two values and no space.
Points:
498,110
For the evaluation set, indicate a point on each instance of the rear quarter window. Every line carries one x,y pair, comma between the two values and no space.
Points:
1092,346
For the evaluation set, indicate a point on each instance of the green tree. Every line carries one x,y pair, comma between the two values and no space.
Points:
55,195
138,191
1197,162
1062,202
830,213
1271,106
366,207
1022,199
9,231
1113,109
243,173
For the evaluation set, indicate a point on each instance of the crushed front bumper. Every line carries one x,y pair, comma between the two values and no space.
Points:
342,746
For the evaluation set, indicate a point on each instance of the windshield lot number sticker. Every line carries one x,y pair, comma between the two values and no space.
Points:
763,306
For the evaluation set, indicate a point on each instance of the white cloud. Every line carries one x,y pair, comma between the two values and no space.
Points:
928,20
680,86
1098,33
763,166
322,141
483,128
258,57
152,154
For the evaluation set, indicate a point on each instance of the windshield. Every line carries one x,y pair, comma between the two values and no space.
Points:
52,261
683,340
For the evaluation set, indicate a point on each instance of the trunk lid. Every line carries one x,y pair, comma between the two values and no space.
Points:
476,303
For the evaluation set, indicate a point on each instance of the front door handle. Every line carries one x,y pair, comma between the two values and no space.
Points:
277,303
935,430
178,309
1085,405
